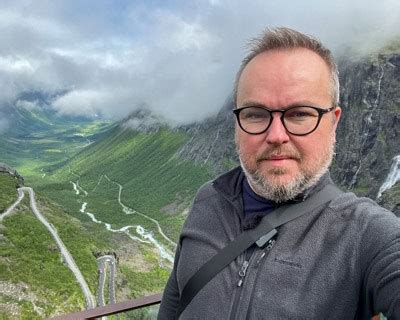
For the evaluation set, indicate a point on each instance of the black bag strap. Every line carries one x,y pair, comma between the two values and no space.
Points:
260,235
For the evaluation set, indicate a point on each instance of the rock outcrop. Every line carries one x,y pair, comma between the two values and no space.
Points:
7,169
369,133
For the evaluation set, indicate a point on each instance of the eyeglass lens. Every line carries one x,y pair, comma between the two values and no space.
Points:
297,120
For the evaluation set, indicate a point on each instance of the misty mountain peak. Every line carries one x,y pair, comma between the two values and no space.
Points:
143,120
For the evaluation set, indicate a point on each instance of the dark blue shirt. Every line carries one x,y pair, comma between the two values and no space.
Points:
254,206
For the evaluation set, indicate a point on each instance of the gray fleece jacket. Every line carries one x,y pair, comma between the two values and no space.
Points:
339,261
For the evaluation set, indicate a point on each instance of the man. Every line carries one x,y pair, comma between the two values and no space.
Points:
340,260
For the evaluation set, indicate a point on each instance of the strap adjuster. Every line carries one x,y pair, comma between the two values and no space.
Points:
265,238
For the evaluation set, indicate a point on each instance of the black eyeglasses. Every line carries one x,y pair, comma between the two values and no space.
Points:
298,120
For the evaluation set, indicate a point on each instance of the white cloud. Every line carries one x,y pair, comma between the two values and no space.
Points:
16,65
179,58
175,34
81,102
10,18
28,105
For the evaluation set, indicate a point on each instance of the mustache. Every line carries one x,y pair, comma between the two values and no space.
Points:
278,152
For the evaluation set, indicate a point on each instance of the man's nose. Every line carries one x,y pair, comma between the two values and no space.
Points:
276,133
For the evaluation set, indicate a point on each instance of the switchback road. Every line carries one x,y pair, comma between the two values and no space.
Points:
106,263
69,260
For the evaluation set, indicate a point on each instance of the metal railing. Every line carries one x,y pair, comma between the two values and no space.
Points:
111,309
116,308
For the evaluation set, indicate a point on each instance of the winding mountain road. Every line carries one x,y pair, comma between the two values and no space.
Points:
69,260
103,261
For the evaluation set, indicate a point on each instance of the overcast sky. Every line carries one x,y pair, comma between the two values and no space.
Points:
179,58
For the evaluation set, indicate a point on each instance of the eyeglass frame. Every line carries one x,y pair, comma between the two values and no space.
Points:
321,112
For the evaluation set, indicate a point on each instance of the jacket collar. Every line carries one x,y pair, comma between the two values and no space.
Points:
230,183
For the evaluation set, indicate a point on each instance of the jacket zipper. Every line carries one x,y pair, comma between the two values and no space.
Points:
257,264
242,274
265,251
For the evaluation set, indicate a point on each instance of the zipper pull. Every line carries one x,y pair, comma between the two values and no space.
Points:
260,258
242,272
267,248
270,244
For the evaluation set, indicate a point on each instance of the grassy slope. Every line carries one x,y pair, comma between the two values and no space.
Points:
152,178
144,165
29,256
8,191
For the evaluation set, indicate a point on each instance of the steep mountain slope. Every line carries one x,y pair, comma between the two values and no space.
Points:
8,192
211,142
34,283
368,136
154,180
156,184
131,187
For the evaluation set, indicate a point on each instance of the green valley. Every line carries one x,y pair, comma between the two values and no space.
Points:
112,190
153,179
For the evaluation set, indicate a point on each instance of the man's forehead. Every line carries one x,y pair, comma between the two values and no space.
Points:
287,74
285,61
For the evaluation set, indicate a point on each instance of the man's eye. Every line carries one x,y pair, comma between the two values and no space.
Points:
255,116
301,114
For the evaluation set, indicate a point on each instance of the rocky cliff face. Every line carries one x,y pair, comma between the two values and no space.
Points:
212,141
14,173
367,139
369,133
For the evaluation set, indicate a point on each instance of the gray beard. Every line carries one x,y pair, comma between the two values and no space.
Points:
283,193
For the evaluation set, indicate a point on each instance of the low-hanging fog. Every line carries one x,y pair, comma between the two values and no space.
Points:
178,58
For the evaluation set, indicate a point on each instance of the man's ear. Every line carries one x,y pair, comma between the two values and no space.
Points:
336,116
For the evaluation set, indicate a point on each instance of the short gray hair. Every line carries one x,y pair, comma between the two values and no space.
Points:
285,39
